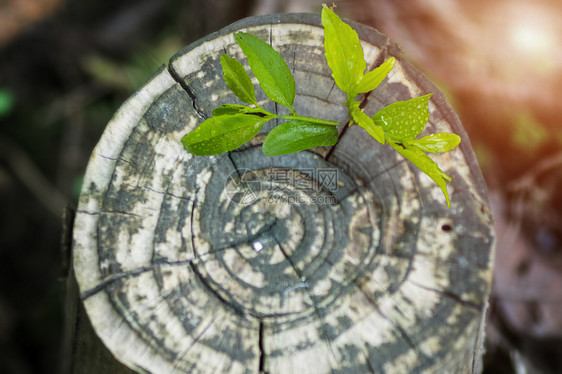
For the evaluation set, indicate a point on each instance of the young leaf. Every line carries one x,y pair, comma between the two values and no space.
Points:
343,51
364,121
372,79
237,79
437,143
222,134
270,69
404,120
425,164
295,136
228,109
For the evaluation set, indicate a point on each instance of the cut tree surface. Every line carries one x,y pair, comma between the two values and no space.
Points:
343,260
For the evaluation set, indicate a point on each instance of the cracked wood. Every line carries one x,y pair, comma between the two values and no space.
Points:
330,260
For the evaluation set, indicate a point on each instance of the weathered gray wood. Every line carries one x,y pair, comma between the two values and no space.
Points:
244,263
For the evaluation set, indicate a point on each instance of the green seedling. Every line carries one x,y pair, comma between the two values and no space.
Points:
398,124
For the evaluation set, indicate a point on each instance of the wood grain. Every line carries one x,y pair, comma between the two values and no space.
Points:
316,262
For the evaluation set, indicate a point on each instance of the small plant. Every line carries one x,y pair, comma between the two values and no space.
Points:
398,124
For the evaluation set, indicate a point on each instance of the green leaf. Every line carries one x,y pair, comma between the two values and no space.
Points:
426,164
222,134
404,120
364,121
343,51
437,143
372,79
295,136
229,109
269,68
237,79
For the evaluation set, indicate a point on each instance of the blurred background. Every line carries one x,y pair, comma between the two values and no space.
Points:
67,65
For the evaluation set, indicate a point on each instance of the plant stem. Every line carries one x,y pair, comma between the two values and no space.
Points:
350,99
310,119
351,104
294,117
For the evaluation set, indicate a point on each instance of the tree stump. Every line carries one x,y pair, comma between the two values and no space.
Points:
339,260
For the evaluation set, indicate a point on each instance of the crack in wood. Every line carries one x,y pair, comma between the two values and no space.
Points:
314,304
401,331
175,76
330,92
262,358
345,127
108,212
382,55
287,257
340,136
229,155
387,292
410,342
117,159
195,341
238,309
166,193
470,304
136,272
388,169
308,291
270,223
354,280
368,362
